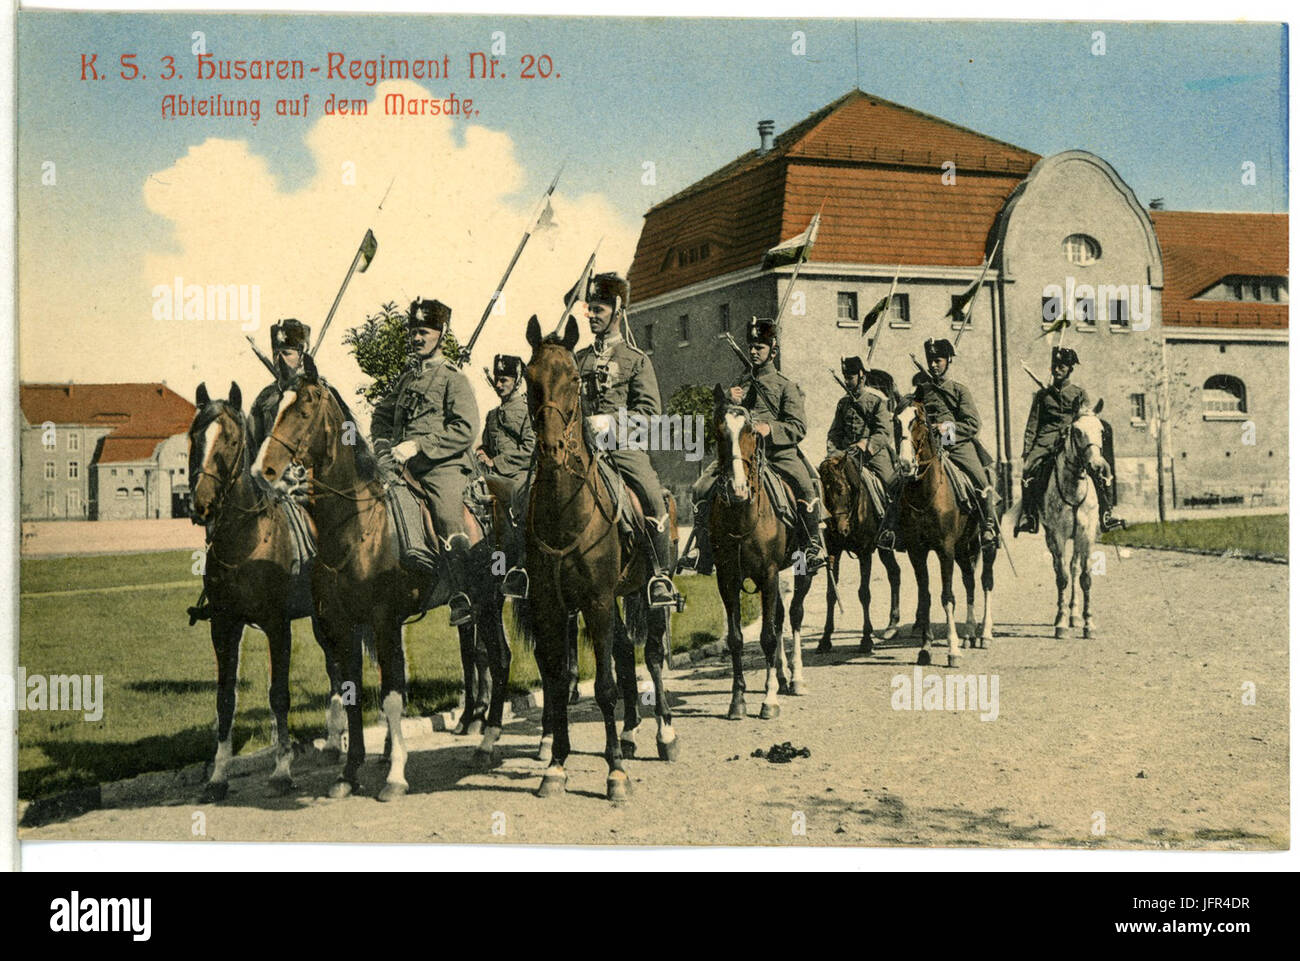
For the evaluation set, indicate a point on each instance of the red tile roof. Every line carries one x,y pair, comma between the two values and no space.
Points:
875,164
142,415
1200,248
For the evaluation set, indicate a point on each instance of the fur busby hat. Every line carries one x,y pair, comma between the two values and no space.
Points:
608,288
507,365
428,313
290,334
938,348
852,365
761,330
1065,355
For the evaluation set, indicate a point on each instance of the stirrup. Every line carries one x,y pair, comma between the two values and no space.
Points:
667,592
515,583
462,612
886,540
1109,524
814,558
1028,524
199,612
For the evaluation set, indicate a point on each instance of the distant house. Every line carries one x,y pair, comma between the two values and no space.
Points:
103,451
899,187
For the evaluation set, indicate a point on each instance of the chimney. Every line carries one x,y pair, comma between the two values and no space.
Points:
765,131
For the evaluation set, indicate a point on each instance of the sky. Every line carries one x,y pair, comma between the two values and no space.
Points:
138,200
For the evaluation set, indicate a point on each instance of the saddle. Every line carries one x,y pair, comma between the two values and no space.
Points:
969,499
875,491
631,515
421,550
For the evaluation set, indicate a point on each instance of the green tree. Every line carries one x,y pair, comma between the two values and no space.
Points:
381,349
691,401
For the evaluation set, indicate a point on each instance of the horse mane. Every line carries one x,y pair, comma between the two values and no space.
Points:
367,464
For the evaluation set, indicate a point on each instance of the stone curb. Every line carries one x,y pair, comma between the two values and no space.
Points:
1203,552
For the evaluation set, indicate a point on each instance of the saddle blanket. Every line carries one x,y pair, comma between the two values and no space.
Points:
875,490
304,544
969,498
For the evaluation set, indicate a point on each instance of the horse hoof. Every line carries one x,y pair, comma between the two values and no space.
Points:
953,660
669,751
769,712
215,791
737,710
618,787
825,647
1089,632
783,688
1061,634
798,688
552,784
866,646
283,785
474,728
342,788
627,748
889,633
1073,621
393,790
574,695
923,657
485,760
544,750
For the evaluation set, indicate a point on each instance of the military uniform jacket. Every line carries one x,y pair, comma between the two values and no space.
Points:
620,377
1050,416
864,416
776,400
508,436
434,406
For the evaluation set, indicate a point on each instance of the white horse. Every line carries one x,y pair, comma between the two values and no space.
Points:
1070,513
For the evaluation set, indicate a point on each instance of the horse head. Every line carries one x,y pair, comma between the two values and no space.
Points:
737,444
841,485
218,451
916,444
554,394
1084,446
300,437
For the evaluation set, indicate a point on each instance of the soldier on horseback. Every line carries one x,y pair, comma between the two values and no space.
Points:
777,406
1053,410
863,422
950,406
617,377
506,450
427,424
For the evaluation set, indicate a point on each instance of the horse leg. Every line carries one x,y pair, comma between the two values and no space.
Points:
489,626
656,650
280,639
599,618
471,715
949,601
1078,565
729,589
334,715
782,668
921,629
989,556
346,644
832,578
802,585
895,573
1062,581
226,633
1084,552
867,644
392,696
770,639
625,671
966,561
551,628
572,634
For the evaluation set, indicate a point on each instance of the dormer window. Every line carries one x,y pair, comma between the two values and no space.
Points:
1249,289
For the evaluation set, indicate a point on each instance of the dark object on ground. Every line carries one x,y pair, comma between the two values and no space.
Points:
782,753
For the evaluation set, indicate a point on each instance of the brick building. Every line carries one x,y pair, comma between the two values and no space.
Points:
1201,295
103,451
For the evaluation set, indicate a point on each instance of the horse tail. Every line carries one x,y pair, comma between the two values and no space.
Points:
521,617
366,633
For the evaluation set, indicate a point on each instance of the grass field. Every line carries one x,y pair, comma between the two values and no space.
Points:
124,618
1254,534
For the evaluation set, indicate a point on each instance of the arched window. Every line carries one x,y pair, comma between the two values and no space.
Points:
1223,396
1081,249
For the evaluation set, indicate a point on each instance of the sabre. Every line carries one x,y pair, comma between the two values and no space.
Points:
966,312
270,365
1032,375
364,255
468,349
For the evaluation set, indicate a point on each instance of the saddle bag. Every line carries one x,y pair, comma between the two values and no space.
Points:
414,552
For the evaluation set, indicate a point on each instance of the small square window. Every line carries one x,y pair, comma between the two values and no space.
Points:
1085,312
684,324
724,318
1137,409
649,343
74,442
50,472
1051,309
900,311
846,307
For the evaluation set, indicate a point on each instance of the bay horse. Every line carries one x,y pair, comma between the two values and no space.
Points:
358,580
751,543
1070,514
930,519
577,560
851,526
248,579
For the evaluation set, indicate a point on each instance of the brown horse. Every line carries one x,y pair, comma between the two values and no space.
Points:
577,560
750,542
851,526
931,520
358,580
249,580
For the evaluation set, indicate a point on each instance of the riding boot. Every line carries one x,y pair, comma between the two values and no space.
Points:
462,612
700,558
660,592
202,609
887,537
990,535
1028,523
515,583
811,523
1104,502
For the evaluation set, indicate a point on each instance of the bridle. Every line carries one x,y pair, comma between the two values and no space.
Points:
1074,463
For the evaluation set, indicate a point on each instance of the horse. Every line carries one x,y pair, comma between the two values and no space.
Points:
931,520
750,542
577,559
1070,513
852,524
358,580
249,580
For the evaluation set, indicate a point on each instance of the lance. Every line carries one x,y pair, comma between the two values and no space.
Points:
542,206
871,352
579,289
966,311
360,261
803,256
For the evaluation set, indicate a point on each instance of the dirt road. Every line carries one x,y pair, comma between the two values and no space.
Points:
1137,738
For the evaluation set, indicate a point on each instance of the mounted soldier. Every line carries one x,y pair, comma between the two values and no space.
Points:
617,377
1053,411
863,422
427,425
951,406
776,404
506,449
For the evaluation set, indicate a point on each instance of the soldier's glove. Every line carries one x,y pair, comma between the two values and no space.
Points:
948,433
405,451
